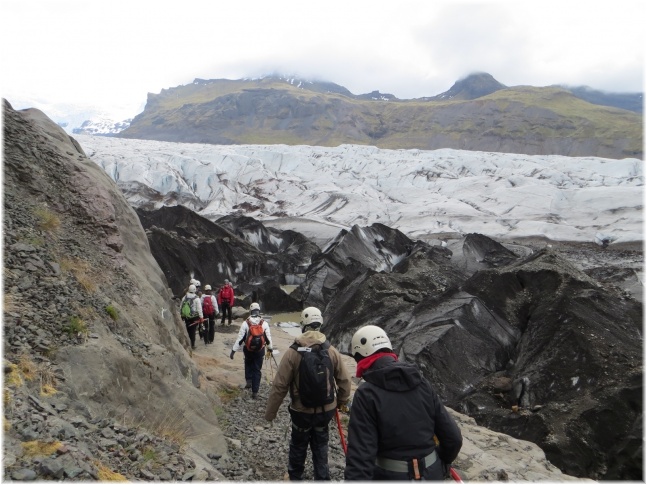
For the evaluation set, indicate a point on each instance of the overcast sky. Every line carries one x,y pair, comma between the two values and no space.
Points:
111,53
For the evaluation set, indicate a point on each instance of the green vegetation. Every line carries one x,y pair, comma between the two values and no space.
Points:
112,312
169,424
47,220
105,474
227,393
149,453
76,326
40,448
81,271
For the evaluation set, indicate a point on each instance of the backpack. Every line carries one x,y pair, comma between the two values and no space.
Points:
207,306
186,311
255,340
316,375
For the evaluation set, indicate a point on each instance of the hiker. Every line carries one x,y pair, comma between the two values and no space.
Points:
209,311
312,405
254,336
226,301
191,313
394,418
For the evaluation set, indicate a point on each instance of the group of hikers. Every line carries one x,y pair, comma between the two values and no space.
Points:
199,309
398,427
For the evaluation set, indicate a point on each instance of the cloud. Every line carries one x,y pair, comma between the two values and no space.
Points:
116,52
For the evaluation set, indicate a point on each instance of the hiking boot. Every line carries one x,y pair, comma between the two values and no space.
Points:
254,395
248,385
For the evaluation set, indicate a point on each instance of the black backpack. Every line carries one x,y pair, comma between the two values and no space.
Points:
316,375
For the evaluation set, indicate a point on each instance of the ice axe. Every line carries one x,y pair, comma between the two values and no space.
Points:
274,359
341,432
453,473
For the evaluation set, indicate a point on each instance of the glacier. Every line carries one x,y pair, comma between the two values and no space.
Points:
443,193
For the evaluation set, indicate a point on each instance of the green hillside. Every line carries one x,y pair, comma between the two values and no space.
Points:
521,119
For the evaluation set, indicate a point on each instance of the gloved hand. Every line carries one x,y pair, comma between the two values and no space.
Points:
231,356
343,407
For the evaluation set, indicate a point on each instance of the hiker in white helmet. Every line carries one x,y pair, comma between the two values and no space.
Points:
209,310
394,418
254,337
313,400
191,313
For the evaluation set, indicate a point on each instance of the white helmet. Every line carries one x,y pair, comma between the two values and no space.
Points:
368,340
195,282
207,287
255,309
311,317
191,288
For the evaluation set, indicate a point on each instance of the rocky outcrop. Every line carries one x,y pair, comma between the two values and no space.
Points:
579,360
351,254
536,333
186,245
92,342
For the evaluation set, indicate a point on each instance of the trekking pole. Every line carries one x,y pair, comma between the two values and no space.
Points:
341,432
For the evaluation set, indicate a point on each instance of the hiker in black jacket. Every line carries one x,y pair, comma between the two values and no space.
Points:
394,418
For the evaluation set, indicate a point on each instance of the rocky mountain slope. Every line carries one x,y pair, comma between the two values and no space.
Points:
97,371
477,114
98,382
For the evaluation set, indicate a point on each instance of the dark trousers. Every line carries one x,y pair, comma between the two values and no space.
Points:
211,329
253,367
226,311
191,327
309,429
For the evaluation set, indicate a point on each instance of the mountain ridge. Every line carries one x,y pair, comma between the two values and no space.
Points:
477,113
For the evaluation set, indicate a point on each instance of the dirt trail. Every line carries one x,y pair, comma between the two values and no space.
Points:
242,419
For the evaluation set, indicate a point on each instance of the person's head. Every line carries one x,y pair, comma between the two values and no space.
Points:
191,288
227,283
207,289
255,310
311,319
367,341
